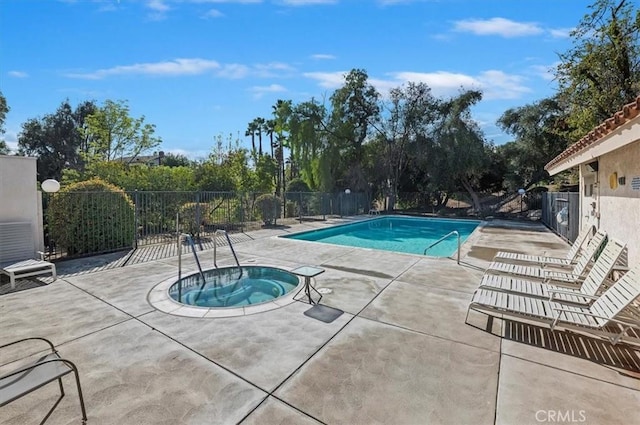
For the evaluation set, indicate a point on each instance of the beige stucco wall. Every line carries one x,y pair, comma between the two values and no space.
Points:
19,196
618,207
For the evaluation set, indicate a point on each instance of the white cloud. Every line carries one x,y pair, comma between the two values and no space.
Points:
500,85
234,71
329,80
18,74
259,91
561,32
273,69
494,84
189,66
224,1
175,67
497,26
546,72
442,83
307,2
322,56
158,6
212,13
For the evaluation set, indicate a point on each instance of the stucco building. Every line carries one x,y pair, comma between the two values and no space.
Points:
609,166
20,200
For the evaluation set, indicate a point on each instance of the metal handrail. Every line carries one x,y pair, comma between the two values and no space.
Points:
455,232
233,251
181,237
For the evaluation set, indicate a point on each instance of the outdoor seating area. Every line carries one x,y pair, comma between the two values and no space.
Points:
587,298
18,254
406,347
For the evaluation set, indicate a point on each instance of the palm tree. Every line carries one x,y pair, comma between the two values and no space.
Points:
259,124
269,129
251,131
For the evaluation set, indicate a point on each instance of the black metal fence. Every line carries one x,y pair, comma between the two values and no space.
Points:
461,204
87,223
561,213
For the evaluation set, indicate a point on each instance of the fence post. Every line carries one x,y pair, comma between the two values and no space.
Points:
240,195
136,219
323,205
300,208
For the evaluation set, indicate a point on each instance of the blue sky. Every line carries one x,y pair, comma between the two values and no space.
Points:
200,68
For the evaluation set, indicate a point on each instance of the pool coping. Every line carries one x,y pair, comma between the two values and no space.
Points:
159,298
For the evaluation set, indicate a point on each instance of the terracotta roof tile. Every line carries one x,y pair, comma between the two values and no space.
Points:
628,112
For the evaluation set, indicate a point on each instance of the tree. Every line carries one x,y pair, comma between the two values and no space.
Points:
56,139
251,131
269,128
176,160
601,73
281,112
540,133
4,109
259,126
355,110
461,149
113,134
406,132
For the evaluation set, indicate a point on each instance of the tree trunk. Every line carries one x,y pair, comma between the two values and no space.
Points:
474,196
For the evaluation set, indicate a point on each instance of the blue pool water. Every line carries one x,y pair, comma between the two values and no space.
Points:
398,234
224,287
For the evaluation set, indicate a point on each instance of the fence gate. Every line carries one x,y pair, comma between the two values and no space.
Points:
561,213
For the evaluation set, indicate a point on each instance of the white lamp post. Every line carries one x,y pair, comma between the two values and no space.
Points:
521,192
50,186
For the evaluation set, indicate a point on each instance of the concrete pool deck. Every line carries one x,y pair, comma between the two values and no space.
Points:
400,354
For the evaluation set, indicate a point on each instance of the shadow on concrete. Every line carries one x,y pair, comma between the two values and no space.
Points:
620,356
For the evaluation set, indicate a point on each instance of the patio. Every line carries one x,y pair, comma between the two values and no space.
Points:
400,354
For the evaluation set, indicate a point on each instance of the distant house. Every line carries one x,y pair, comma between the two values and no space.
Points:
151,160
609,165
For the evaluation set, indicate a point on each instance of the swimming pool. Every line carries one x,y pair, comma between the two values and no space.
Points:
395,233
227,287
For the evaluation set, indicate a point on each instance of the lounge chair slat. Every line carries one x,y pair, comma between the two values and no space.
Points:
584,235
613,304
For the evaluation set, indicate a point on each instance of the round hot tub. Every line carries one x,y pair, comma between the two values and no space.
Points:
233,287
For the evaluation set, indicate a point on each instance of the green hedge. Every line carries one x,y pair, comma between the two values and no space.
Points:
81,222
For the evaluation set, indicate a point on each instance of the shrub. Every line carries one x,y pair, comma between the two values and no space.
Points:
298,185
193,215
291,209
90,217
269,208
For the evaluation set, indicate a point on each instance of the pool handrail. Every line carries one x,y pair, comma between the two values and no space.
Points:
233,251
189,239
454,232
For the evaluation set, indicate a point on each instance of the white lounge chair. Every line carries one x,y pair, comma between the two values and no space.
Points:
543,260
547,274
18,253
592,284
610,316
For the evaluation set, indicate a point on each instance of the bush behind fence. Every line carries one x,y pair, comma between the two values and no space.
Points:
86,223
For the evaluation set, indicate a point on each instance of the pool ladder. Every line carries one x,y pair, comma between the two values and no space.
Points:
455,232
189,239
